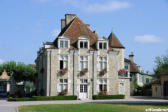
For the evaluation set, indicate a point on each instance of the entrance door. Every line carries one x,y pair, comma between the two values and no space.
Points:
121,88
83,92
166,88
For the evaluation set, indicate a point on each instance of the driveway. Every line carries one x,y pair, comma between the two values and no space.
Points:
6,106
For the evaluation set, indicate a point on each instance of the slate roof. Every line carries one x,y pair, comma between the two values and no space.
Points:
77,28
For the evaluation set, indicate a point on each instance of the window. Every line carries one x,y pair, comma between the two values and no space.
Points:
102,45
63,84
83,81
63,44
126,67
102,85
83,62
63,62
140,78
147,80
102,63
83,44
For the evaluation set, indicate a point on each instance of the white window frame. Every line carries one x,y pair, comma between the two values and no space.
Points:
103,41
102,82
65,61
102,62
63,84
103,45
64,40
84,63
84,39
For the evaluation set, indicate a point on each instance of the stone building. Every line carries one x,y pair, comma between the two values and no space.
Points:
160,86
80,63
7,84
137,75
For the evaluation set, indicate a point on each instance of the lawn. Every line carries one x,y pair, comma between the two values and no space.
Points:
89,108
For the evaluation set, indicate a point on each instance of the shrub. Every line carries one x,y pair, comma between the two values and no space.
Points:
43,98
108,97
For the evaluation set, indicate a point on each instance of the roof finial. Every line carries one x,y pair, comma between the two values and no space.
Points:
112,30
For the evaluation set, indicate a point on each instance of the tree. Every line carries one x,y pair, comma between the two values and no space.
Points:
161,65
20,71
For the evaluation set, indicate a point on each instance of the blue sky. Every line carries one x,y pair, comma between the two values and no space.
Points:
141,25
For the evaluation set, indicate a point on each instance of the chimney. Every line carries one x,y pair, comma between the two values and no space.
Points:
131,57
62,23
139,68
88,25
69,18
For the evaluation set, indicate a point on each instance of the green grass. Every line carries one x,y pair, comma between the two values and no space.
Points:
89,108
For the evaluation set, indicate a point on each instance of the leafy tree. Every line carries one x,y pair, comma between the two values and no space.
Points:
20,71
161,64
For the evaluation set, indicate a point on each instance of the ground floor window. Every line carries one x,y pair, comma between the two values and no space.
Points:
63,84
102,86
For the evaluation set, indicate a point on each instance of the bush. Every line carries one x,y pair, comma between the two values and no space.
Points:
43,98
143,91
108,97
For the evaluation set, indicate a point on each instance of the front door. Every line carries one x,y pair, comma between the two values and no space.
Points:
121,88
166,88
83,92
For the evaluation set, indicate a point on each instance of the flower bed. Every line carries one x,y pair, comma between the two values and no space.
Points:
84,71
102,72
123,73
64,92
63,71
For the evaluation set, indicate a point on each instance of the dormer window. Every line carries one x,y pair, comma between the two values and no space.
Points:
102,44
83,45
63,42
83,42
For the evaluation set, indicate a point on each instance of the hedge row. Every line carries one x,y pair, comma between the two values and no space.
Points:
108,97
43,98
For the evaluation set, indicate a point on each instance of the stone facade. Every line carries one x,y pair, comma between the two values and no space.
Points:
49,77
160,86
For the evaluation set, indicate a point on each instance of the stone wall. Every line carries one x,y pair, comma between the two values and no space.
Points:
49,80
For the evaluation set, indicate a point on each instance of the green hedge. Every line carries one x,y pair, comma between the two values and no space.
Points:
43,98
108,97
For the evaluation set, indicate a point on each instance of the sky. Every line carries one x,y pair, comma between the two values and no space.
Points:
140,25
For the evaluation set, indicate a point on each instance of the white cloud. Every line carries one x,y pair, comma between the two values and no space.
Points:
148,39
1,61
55,32
107,6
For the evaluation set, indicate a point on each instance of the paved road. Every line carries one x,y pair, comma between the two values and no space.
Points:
6,106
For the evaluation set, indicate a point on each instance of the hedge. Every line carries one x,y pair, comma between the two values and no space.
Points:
108,97
43,98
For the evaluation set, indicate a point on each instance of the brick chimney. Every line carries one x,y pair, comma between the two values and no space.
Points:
62,23
69,18
131,57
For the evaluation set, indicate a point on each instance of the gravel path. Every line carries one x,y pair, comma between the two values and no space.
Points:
6,106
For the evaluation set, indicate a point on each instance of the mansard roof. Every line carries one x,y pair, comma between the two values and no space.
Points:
77,28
